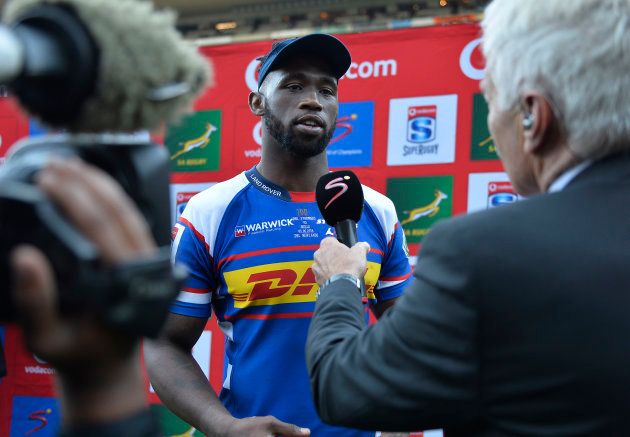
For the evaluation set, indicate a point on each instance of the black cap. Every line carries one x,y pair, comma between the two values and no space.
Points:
320,44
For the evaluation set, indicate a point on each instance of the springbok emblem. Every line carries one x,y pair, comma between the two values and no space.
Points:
200,142
189,433
425,211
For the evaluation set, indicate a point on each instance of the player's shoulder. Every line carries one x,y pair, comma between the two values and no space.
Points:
218,196
378,201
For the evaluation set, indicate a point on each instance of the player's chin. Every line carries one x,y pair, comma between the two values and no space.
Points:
308,150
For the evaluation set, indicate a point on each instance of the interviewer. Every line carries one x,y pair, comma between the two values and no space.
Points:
518,318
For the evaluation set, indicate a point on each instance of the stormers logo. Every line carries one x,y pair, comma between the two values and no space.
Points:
273,284
194,142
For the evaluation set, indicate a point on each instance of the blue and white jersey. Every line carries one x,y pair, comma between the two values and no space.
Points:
248,245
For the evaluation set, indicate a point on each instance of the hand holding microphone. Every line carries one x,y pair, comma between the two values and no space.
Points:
340,200
334,258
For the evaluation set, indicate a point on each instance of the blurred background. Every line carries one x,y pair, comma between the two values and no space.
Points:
225,21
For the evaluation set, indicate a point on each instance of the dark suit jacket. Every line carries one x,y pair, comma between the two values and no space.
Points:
517,323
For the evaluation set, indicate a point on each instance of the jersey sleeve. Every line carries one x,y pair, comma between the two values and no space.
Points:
191,249
395,269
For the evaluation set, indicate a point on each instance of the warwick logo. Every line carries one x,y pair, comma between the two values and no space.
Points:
200,142
429,210
255,228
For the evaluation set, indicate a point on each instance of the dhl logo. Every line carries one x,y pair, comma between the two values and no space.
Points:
425,211
200,142
274,284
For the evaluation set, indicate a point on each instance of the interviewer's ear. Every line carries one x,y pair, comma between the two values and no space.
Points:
257,103
539,122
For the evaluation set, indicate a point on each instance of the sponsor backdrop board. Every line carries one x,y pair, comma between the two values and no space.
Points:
411,124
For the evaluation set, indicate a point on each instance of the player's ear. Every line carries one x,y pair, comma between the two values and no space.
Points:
257,103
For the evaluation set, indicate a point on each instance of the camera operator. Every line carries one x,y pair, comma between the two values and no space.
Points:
84,216
99,379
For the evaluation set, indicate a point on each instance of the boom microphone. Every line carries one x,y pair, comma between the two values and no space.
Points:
98,65
340,200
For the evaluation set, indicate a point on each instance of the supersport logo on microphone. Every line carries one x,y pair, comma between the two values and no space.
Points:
337,183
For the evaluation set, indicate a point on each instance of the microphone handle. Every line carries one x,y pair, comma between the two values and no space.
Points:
347,234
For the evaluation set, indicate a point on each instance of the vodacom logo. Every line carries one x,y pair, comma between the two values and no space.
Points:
251,78
364,70
466,61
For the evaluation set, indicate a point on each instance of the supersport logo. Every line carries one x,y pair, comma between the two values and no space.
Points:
337,183
38,416
341,124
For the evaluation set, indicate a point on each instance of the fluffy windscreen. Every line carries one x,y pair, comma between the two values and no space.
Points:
147,73
339,197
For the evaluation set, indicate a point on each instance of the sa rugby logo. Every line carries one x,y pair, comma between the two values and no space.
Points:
194,142
482,145
200,142
274,284
420,202
429,210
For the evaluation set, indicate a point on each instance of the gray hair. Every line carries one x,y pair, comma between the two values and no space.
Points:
577,53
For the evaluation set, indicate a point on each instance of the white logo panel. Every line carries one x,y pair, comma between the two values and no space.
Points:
422,130
489,190
181,194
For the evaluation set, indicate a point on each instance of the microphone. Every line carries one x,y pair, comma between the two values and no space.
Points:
98,65
340,200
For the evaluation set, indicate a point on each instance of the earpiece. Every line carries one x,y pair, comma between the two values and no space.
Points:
528,121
